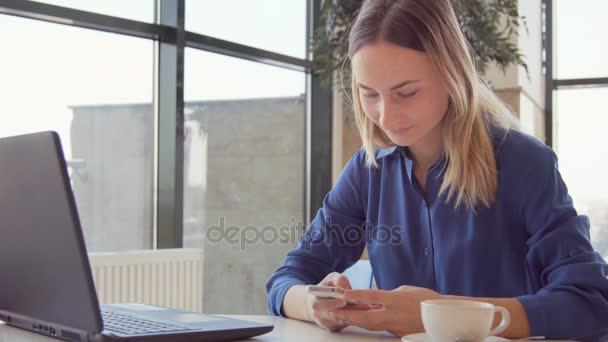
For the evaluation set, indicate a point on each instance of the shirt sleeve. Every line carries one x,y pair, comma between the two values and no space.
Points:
572,278
333,242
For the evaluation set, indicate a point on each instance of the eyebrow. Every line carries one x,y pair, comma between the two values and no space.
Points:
392,88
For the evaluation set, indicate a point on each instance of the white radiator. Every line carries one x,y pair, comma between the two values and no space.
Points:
168,277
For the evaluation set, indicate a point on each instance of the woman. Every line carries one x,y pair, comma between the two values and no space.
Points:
451,200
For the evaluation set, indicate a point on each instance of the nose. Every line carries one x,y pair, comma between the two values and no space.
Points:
388,113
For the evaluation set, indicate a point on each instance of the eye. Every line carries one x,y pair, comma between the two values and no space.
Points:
404,96
370,95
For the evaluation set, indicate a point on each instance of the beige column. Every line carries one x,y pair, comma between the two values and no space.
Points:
525,94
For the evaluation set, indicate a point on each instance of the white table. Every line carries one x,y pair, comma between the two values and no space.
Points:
284,330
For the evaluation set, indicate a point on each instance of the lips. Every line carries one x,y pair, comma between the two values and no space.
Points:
401,130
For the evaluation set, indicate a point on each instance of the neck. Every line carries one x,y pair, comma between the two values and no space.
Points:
426,151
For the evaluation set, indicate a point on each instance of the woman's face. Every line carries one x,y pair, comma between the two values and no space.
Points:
400,91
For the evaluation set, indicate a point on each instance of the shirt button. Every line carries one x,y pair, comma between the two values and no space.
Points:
427,251
573,252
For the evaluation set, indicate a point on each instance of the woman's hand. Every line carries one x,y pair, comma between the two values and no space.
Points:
397,311
318,310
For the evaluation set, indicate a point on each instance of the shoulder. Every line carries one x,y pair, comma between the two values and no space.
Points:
526,168
358,169
519,151
354,168
359,160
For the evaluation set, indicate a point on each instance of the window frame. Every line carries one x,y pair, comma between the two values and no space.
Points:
170,37
553,84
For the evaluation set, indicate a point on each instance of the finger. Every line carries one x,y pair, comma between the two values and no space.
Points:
324,305
331,325
336,328
336,279
361,306
342,281
329,280
368,319
327,319
407,288
368,296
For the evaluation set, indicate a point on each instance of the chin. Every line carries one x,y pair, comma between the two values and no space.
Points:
402,141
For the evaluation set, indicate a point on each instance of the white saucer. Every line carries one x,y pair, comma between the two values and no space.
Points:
422,337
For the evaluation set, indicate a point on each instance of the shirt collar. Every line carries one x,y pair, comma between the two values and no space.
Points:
392,150
385,152
497,135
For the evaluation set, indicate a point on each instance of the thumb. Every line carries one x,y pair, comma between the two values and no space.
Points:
343,282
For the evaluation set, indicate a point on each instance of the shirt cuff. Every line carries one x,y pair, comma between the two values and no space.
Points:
536,314
557,315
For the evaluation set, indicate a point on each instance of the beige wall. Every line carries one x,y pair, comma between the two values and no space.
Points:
525,93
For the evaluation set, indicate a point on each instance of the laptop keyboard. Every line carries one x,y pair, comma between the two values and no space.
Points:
129,325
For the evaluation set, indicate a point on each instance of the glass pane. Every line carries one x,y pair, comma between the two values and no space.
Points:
95,89
581,123
243,174
141,10
275,25
580,28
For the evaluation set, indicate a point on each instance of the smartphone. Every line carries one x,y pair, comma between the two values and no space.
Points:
327,292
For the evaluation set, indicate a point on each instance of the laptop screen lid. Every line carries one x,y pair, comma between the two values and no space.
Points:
44,265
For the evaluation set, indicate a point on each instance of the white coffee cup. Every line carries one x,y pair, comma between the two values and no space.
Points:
447,320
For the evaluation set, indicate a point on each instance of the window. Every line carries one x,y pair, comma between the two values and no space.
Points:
580,33
112,98
275,25
581,126
95,90
244,168
580,120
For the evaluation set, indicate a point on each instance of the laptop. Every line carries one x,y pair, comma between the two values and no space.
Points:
46,284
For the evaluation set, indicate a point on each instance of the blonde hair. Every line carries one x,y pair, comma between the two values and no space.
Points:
430,26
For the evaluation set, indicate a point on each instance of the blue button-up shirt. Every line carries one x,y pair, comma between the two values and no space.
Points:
530,244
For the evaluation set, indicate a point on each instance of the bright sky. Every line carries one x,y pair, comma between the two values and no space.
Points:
45,68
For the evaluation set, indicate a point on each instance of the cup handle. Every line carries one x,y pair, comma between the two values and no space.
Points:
504,322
